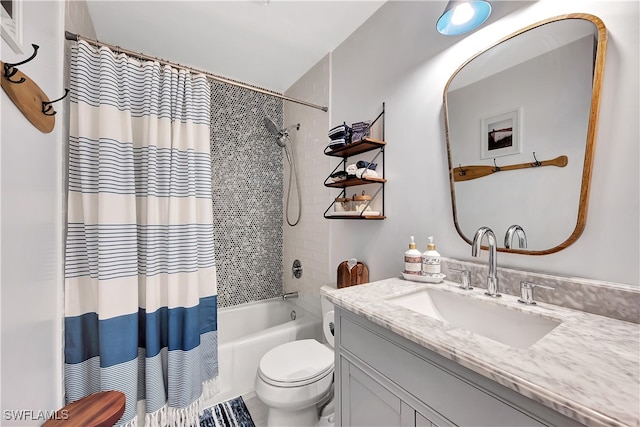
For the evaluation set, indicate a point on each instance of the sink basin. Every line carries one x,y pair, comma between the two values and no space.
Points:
511,327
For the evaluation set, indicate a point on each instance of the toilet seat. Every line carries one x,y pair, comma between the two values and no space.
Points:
296,364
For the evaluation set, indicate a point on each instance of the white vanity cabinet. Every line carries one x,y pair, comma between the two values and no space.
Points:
383,379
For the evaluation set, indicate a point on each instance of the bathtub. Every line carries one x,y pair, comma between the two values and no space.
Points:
247,331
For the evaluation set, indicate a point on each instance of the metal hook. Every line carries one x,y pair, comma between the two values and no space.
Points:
462,171
537,163
47,109
10,69
497,168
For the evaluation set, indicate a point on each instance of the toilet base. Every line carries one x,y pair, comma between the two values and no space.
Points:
320,414
309,417
327,421
280,418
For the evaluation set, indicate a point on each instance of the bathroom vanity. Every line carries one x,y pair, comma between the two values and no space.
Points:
410,354
396,364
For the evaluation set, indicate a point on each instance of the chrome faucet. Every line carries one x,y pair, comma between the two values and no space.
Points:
518,231
492,278
290,295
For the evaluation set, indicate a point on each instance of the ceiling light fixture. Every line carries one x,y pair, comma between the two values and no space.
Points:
462,16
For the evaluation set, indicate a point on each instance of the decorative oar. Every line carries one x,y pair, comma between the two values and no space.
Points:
465,173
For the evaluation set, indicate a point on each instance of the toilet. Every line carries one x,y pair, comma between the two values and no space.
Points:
295,380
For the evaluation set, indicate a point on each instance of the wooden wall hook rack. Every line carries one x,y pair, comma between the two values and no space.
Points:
27,95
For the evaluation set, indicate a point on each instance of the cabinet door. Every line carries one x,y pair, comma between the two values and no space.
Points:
366,403
429,382
422,421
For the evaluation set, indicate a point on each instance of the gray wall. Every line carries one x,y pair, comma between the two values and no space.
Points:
247,195
31,228
410,76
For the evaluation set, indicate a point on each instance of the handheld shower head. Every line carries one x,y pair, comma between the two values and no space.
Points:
281,137
280,134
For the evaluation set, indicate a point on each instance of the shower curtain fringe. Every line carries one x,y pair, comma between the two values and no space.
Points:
131,423
209,389
76,37
180,417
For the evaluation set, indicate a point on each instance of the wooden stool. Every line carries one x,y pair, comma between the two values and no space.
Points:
102,409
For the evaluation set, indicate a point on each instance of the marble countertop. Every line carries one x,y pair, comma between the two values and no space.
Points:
587,368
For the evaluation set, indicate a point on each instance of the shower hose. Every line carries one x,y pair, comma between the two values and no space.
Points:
292,172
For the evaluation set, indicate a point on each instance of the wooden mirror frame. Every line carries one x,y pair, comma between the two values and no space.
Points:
598,75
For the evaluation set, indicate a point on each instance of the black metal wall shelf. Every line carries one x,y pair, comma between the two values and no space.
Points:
356,147
352,149
355,181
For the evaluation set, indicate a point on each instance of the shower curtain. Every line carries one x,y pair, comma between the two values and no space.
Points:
140,276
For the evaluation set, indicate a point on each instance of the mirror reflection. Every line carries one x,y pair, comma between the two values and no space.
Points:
520,121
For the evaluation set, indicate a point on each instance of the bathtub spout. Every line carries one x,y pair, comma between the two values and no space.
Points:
288,295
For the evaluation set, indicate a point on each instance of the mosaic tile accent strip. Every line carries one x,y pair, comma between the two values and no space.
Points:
247,194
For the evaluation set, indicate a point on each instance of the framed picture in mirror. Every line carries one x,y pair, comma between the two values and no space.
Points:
11,14
500,134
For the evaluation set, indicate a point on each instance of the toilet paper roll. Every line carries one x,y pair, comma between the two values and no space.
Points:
327,327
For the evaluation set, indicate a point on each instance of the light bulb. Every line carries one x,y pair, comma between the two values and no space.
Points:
462,14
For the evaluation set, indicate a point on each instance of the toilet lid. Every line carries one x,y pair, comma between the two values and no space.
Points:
297,361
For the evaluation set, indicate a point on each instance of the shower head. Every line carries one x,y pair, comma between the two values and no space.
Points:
280,134
271,127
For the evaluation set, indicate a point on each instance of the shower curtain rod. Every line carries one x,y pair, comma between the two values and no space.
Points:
139,55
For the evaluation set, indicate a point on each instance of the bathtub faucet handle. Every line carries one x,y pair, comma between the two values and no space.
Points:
288,295
296,270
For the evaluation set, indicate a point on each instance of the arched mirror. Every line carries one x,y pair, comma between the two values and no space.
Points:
520,121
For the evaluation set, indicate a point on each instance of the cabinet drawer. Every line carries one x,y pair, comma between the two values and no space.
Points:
457,400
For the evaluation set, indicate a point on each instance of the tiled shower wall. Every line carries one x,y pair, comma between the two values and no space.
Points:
309,241
247,194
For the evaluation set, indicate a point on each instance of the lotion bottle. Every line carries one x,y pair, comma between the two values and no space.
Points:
431,260
412,260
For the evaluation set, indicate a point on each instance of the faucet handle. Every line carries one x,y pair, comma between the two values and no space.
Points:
526,292
465,278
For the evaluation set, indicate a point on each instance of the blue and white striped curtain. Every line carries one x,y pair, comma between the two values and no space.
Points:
140,276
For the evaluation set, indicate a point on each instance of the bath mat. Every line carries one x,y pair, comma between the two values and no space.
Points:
232,413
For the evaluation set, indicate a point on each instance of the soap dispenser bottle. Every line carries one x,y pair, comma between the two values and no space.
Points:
431,260
413,260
